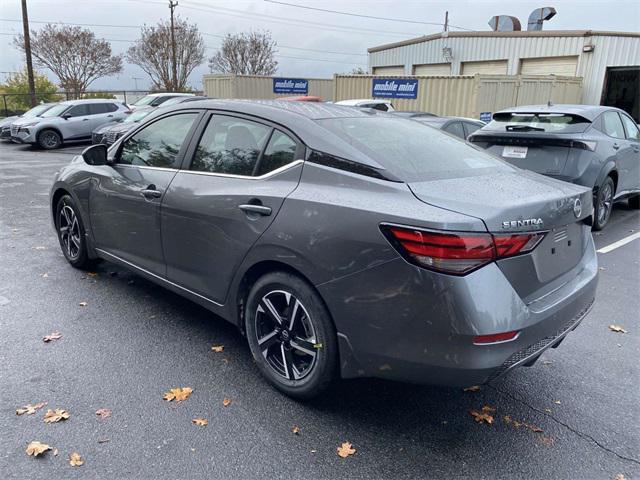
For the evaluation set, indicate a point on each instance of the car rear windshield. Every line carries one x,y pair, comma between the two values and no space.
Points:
538,122
412,151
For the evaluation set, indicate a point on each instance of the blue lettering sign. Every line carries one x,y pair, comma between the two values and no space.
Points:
291,85
394,88
485,116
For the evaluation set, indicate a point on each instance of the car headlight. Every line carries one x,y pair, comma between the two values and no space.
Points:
32,124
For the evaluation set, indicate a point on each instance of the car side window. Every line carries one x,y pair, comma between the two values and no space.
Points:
379,106
469,128
230,145
633,132
110,107
97,108
280,151
78,111
612,125
455,128
158,144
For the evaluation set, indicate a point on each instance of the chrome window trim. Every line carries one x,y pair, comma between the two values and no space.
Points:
247,177
145,167
162,279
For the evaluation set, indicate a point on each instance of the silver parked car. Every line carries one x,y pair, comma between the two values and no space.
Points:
68,121
594,146
5,124
340,241
460,127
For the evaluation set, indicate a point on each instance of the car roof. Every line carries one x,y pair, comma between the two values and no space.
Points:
90,100
590,112
174,94
442,120
355,102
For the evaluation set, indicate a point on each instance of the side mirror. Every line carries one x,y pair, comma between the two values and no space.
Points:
95,155
66,116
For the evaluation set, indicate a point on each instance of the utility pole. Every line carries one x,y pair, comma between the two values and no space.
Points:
174,70
27,51
446,21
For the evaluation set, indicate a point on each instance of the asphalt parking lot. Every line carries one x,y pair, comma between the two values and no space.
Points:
133,341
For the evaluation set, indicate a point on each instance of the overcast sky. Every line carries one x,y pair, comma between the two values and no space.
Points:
310,43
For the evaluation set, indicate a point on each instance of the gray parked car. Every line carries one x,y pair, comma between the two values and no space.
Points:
340,241
5,124
594,146
457,126
67,122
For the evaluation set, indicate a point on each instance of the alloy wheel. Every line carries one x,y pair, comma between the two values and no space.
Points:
49,139
286,335
605,204
69,231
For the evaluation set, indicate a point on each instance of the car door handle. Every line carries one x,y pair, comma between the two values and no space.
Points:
110,116
85,119
616,146
151,192
259,209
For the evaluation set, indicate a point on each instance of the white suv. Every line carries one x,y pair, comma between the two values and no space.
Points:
67,122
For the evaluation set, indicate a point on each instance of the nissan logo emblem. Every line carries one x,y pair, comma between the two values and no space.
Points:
577,207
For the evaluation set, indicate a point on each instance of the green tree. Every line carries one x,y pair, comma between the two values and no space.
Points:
16,90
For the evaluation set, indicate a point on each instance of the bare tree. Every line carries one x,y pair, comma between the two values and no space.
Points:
246,54
153,54
73,54
359,71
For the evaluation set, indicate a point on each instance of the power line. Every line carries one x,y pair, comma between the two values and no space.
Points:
389,19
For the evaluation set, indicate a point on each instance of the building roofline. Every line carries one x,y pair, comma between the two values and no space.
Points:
534,33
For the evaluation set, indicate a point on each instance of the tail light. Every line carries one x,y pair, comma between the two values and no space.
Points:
456,253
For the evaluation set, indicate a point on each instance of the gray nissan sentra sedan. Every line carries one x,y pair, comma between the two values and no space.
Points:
341,242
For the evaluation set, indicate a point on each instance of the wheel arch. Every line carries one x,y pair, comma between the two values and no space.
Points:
49,127
609,170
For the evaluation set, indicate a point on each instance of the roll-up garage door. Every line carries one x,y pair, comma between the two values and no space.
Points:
397,70
432,69
549,66
491,67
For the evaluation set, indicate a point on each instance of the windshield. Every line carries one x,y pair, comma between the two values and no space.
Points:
146,100
410,150
538,122
55,110
35,111
137,116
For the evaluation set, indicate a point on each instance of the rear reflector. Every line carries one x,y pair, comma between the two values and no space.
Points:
457,253
495,338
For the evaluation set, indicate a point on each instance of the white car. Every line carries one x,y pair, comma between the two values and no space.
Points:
156,99
383,105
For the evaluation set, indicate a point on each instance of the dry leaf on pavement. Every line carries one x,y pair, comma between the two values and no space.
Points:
83,304
620,477
92,274
617,328
53,416
201,422
103,412
345,450
226,402
75,460
36,448
218,348
44,275
484,415
51,336
178,394
296,430
30,409
473,388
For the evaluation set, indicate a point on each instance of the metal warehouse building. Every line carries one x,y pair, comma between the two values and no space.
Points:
608,62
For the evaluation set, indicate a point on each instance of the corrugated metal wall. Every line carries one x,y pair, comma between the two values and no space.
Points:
259,87
468,96
608,51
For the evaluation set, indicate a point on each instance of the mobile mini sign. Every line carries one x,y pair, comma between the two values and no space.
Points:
395,88
291,85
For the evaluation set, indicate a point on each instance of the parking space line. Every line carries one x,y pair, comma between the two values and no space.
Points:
619,243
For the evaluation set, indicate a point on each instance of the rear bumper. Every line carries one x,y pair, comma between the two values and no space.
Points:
400,322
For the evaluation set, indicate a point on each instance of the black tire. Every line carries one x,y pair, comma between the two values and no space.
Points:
634,202
49,139
71,233
298,373
603,204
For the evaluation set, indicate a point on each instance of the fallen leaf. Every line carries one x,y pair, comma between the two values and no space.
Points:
178,394
296,430
103,412
55,452
548,410
36,448
92,274
546,441
345,450
218,348
557,402
75,460
51,336
201,422
54,416
533,428
226,402
474,388
620,477
483,415
44,275
83,304
617,328
30,409
517,424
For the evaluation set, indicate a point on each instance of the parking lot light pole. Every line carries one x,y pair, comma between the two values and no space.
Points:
27,51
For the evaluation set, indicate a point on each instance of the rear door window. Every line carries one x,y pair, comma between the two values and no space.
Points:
231,146
612,125
469,128
159,143
280,151
455,128
97,108
630,127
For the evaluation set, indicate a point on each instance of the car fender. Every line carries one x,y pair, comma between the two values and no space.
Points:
607,168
